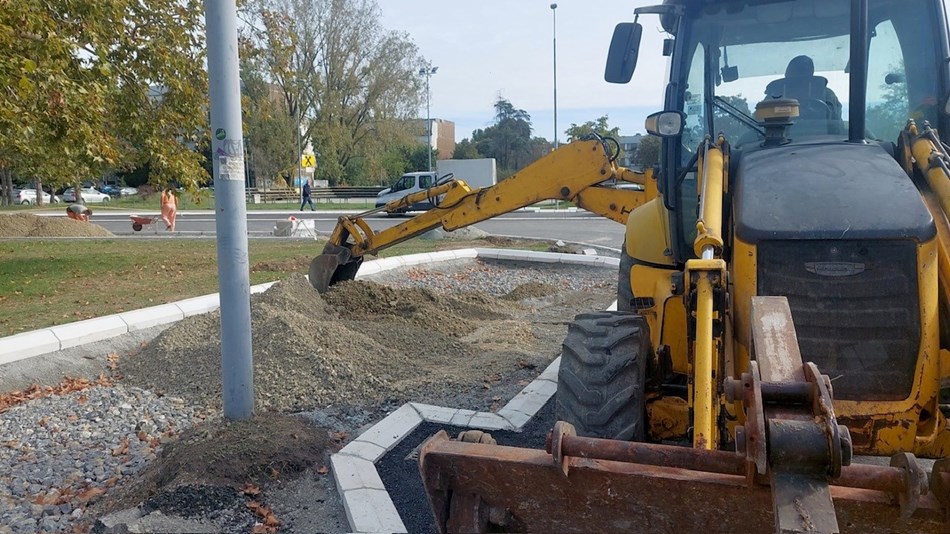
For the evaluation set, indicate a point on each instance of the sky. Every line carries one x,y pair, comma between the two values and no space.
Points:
493,48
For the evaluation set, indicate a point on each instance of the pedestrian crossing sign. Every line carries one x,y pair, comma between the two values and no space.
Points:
308,160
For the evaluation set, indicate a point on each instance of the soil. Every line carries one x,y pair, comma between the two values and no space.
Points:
29,225
362,344
215,472
339,362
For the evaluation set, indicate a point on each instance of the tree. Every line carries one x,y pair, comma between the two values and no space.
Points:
101,84
465,149
508,140
599,127
648,152
352,83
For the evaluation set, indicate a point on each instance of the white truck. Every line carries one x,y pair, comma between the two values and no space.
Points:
476,173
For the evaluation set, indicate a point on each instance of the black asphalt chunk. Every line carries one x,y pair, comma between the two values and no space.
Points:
401,475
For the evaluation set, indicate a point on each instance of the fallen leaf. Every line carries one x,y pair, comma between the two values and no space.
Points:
90,494
322,470
250,489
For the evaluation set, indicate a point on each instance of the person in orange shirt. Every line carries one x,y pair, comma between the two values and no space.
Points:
78,212
169,208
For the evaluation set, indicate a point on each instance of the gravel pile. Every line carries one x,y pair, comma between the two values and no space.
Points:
60,453
468,335
363,343
29,225
512,280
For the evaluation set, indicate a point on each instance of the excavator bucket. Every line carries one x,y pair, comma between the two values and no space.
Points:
335,264
792,471
649,488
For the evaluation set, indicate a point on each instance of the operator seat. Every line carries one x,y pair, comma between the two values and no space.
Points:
817,101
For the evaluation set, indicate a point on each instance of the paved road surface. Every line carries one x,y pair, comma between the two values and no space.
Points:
580,227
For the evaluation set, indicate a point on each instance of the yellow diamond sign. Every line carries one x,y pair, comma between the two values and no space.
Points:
308,160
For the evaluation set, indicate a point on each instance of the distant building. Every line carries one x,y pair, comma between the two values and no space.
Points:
629,144
443,136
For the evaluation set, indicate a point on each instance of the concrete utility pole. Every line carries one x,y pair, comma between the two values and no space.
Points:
227,148
554,33
428,72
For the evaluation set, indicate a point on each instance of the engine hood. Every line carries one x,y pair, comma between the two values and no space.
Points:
827,191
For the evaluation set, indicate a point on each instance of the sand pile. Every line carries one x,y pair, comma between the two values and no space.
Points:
29,225
363,344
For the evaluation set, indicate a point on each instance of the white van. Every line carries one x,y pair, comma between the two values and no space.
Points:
406,185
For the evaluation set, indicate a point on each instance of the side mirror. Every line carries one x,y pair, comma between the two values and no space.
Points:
665,123
624,49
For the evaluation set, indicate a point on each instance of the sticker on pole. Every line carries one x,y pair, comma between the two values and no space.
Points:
220,134
230,156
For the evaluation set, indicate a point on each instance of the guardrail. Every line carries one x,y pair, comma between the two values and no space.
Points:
322,193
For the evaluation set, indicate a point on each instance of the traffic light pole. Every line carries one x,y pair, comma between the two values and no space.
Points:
227,151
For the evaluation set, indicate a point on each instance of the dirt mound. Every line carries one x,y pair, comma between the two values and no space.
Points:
360,344
204,470
303,357
530,290
416,306
29,225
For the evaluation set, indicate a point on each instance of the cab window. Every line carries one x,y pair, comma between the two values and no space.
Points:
403,183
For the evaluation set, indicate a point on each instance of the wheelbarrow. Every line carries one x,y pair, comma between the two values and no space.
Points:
141,221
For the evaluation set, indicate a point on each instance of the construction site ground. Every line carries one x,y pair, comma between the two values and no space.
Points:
460,334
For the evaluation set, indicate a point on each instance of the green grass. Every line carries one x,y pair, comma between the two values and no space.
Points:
50,282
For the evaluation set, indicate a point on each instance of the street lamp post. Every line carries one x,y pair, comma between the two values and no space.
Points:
554,32
428,72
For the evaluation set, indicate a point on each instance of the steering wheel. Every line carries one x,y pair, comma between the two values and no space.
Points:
815,108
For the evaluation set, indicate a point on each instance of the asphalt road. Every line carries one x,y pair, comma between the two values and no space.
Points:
569,226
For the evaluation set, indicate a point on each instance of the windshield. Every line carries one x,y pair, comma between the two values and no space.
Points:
737,54
743,55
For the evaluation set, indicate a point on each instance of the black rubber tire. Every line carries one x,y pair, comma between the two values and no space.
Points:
137,227
624,290
600,388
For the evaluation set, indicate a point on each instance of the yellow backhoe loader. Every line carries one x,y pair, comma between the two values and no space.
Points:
784,294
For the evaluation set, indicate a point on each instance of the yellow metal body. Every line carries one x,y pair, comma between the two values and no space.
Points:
914,424
574,173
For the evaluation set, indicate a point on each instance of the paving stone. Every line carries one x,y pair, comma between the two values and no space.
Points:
27,344
198,305
435,414
393,428
515,418
462,418
89,331
353,473
489,421
532,397
550,372
152,316
371,510
363,449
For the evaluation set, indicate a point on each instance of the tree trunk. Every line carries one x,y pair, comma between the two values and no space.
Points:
77,187
39,192
6,187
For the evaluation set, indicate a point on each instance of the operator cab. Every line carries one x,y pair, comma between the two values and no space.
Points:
728,58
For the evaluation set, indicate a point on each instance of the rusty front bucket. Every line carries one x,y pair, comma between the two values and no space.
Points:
642,488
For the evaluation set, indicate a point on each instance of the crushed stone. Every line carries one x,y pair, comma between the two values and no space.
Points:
370,345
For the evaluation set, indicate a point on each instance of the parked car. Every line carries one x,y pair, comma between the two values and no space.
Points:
89,194
119,191
27,197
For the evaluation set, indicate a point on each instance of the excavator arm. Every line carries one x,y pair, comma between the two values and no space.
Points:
572,172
